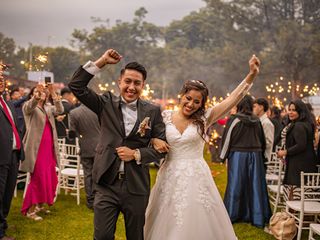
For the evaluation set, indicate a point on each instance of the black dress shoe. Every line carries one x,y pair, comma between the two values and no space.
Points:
7,238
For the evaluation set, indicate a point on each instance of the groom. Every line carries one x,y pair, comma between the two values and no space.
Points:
120,171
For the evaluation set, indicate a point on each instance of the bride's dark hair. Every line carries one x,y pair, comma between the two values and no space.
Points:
198,116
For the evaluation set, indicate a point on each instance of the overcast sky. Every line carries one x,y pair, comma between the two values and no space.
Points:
51,22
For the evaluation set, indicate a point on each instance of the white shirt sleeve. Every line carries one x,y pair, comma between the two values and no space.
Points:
138,157
91,68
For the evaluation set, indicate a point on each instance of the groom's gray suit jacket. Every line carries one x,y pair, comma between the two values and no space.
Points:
107,162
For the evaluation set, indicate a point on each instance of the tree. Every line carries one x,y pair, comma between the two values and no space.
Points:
7,48
134,40
285,33
63,63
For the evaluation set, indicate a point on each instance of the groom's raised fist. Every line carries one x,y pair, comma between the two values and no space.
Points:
111,56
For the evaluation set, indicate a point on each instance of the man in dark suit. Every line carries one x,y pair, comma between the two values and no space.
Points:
11,151
62,120
120,170
85,124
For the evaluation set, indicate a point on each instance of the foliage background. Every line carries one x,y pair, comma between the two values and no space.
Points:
212,44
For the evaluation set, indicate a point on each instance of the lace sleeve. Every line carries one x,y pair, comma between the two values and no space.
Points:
166,114
206,116
221,109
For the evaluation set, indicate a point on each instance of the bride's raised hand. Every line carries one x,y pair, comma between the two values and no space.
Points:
254,64
160,145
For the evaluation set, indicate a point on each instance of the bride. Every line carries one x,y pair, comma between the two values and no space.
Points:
184,203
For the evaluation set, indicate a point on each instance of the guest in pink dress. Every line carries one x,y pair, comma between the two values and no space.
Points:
41,149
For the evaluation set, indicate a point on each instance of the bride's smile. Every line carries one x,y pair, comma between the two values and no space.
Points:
191,102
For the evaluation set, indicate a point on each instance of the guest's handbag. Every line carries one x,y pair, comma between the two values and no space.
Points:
282,226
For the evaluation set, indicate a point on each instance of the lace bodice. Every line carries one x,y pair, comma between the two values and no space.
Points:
185,172
188,145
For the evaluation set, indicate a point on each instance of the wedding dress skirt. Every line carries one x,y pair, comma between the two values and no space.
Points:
185,203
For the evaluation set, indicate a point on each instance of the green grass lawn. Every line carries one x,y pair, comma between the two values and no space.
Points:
69,221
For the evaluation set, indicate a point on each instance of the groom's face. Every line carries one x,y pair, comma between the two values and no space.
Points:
131,84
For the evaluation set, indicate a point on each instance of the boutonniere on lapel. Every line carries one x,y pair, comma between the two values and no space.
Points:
144,125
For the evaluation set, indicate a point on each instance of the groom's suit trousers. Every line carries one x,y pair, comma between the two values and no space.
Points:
109,202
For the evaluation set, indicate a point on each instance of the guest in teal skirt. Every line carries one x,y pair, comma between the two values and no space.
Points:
243,144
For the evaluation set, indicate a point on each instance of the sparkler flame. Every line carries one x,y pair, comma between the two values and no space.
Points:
42,58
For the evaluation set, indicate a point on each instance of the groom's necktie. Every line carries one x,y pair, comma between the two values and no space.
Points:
14,128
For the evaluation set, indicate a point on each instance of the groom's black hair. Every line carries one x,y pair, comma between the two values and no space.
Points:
137,67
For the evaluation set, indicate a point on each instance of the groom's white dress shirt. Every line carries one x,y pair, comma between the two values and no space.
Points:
129,119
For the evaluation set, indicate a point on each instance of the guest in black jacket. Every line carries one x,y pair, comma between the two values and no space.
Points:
316,132
277,123
297,148
243,143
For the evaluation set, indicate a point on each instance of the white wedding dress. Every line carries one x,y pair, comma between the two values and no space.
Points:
185,203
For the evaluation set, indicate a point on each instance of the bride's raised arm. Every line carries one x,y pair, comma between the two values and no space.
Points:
221,109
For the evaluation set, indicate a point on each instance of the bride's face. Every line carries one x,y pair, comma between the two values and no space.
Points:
190,102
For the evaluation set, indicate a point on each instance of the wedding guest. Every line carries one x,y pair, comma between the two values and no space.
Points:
297,148
316,132
318,150
86,125
62,120
15,94
41,149
243,144
284,116
260,108
277,123
11,151
18,100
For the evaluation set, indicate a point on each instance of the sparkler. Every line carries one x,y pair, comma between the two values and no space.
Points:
147,93
42,58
